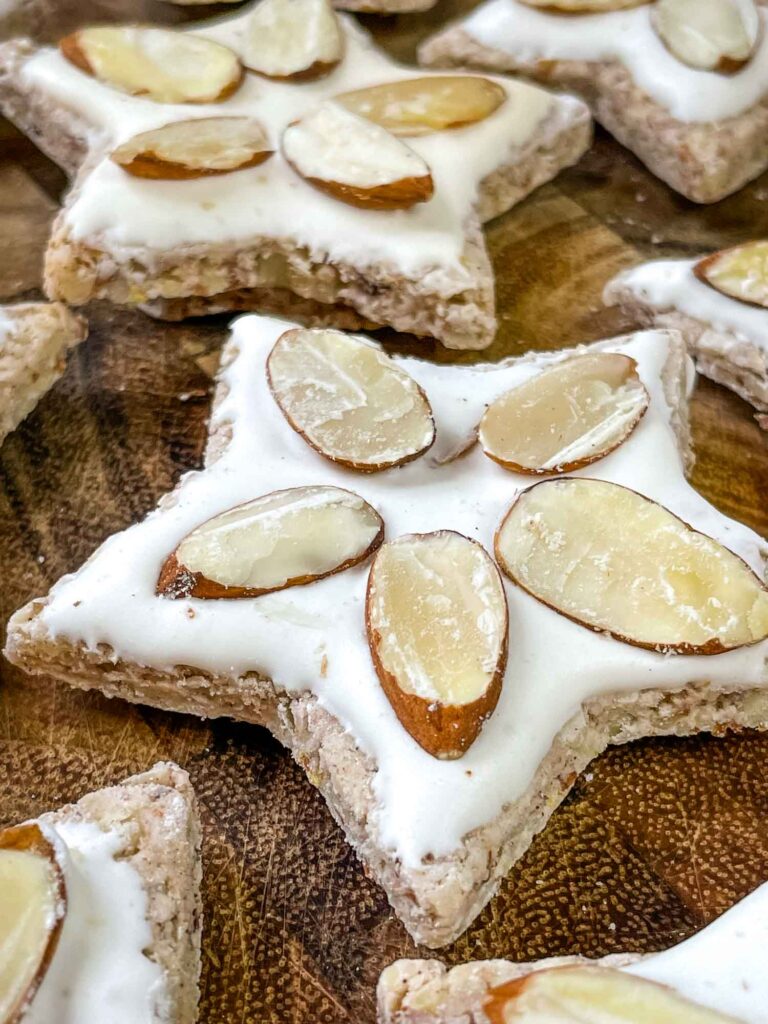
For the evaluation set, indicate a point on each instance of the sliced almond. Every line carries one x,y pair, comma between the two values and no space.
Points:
618,563
716,35
355,160
566,417
575,995
195,149
155,63
283,539
349,400
293,39
418,106
740,273
586,6
33,899
436,615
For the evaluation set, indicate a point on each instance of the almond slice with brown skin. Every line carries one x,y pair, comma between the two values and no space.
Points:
585,6
283,539
293,39
740,273
349,400
155,63
573,995
436,615
355,160
195,149
33,898
718,35
619,563
566,417
419,106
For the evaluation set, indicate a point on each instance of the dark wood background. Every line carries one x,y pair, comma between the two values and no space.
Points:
655,840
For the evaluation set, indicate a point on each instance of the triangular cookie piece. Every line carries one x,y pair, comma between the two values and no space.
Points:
727,335
367,212
110,919
721,969
695,119
34,340
441,764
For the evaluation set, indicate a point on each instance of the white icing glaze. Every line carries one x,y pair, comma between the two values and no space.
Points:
426,805
99,970
722,966
628,36
671,284
118,211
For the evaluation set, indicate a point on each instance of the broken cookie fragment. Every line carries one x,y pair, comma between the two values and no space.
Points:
284,539
619,563
436,616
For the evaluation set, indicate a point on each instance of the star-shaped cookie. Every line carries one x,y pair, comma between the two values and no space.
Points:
684,86
442,712
718,302
333,220
721,968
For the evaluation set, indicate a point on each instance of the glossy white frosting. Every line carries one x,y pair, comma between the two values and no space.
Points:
121,212
425,805
529,34
722,966
671,285
99,971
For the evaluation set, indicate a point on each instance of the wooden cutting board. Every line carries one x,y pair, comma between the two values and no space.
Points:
655,840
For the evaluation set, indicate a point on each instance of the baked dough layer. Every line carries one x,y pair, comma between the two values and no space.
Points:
33,355
703,161
722,355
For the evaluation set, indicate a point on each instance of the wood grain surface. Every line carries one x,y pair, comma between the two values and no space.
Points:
655,840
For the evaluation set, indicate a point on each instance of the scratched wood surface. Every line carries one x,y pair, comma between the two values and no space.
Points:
656,838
